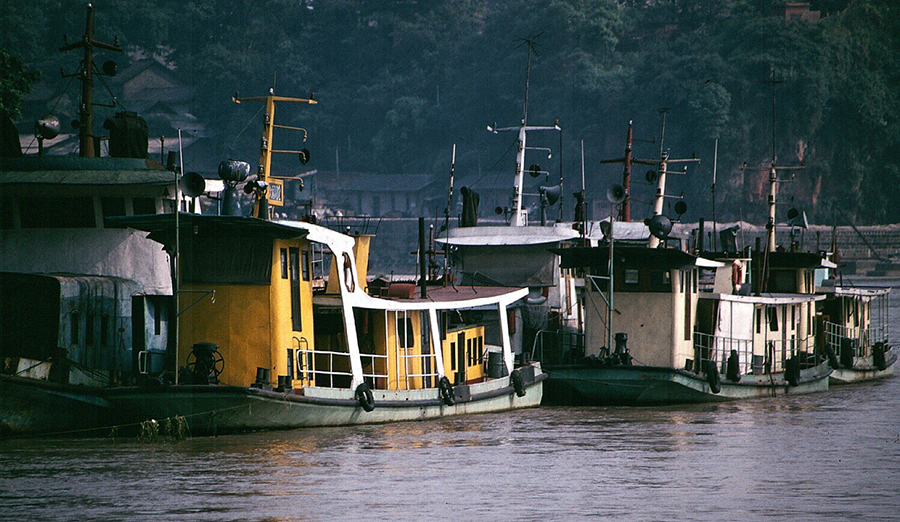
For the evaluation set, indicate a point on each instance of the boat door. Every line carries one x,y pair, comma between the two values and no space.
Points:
461,358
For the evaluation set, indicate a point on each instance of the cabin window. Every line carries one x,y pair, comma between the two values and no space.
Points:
284,263
632,279
74,319
453,356
6,213
660,281
687,311
296,309
481,350
758,320
290,362
695,280
112,207
143,206
59,213
304,265
470,353
405,334
793,316
773,319
104,330
89,330
157,319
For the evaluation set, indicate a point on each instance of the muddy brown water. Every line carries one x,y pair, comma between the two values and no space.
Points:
830,455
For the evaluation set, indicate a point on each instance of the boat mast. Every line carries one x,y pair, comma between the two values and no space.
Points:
662,166
519,216
86,111
263,194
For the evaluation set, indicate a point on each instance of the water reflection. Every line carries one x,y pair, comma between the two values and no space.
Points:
835,454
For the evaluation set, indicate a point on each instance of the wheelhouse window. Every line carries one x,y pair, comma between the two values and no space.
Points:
143,206
660,281
284,263
773,319
406,337
632,279
304,264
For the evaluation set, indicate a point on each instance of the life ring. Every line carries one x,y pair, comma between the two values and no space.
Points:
712,377
445,390
365,397
878,358
348,274
518,383
832,357
737,275
792,371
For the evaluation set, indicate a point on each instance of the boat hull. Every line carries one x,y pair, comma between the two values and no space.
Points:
583,385
863,370
35,406
222,409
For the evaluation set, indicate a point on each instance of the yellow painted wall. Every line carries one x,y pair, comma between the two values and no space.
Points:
238,322
282,335
251,324
474,371
361,253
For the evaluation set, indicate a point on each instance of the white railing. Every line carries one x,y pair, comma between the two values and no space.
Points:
306,363
429,379
718,348
835,334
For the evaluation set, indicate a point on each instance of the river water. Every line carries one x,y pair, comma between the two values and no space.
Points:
831,455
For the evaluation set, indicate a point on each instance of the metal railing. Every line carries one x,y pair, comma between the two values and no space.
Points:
708,347
861,338
306,360
428,378
557,347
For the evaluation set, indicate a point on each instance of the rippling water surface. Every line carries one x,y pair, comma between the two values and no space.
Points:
834,454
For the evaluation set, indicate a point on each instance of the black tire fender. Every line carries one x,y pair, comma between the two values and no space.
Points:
712,377
515,378
878,358
445,390
365,397
832,357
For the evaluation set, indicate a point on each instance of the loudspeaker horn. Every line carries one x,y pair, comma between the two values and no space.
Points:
498,210
192,184
651,176
615,193
659,226
680,208
47,127
552,193
534,170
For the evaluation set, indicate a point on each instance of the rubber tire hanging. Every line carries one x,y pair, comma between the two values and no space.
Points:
365,397
445,390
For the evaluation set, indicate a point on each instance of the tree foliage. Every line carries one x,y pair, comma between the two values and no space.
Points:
399,82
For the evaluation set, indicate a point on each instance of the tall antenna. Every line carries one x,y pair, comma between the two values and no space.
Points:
520,215
86,112
447,216
773,82
529,43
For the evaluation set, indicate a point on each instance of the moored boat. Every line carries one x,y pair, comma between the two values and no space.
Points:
855,327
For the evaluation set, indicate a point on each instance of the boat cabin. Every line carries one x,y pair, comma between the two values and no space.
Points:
654,301
249,316
761,310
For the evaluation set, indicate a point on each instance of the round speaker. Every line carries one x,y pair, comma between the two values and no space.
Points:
680,207
192,184
615,193
651,176
47,127
659,226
